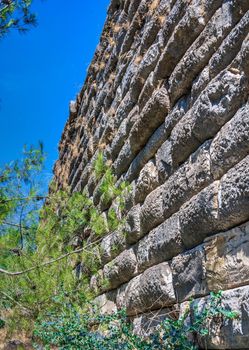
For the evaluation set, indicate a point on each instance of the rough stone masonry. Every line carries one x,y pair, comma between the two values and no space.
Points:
166,100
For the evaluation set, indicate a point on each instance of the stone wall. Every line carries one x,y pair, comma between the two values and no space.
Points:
165,100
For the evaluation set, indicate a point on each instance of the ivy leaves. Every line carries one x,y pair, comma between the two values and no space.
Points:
91,331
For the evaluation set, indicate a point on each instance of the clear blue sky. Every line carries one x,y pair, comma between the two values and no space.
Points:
43,70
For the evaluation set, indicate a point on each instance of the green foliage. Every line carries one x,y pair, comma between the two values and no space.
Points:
16,14
81,329
109,188
193,324
77,330
2,323
99,166
32,234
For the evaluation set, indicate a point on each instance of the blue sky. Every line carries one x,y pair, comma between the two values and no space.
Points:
43,70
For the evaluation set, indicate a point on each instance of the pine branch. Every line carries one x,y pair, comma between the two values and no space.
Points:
16,302
76,251
15,225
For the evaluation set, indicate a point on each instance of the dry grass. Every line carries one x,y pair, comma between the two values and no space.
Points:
153,5
138,59
161,19
111,77
101,146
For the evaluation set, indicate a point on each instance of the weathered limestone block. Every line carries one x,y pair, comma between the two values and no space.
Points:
199,216
91,185
146,323
121,269
117,142
106,303
124,108
151,117
243,62
100,99
164,161
97,282
198,54
132,227
161,244
145,67
129,197
122,133
147,181
150,290
232,334
147,90
233,195
189,275
157,16
227,259
119,73
112,245
129,74
175,115
231,144
85,175
188,180
124,158
152,211
190,26
215,106
146,153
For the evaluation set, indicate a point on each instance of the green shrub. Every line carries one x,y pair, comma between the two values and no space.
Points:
75,329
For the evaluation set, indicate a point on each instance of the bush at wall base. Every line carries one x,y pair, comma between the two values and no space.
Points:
73,330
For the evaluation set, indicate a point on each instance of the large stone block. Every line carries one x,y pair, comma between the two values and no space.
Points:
189,276
106,303
146,153
187,181
231,144
112,245
164,161
233,195
132,227
199,216
151,290
124,158
147,181
227,259
147,90
152,211
121,269
161,244
146,323
151,117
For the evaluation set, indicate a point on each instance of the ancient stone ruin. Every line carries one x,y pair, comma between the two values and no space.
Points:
165,99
